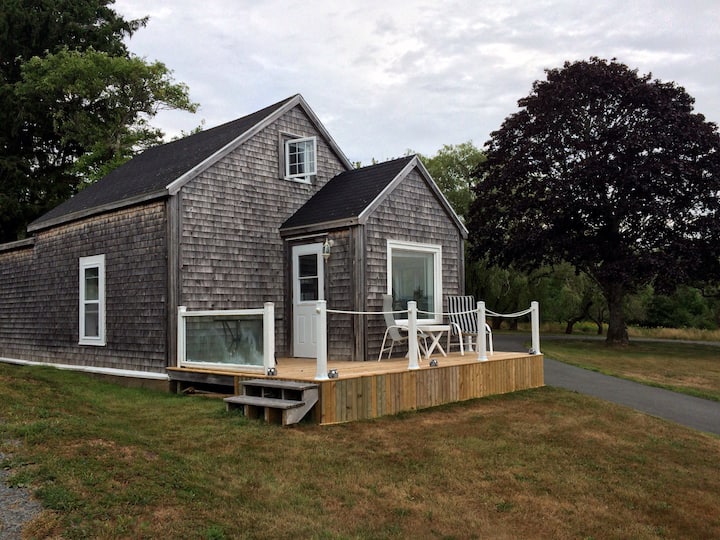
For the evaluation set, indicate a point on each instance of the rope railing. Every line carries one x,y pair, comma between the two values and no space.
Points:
509,315
412,328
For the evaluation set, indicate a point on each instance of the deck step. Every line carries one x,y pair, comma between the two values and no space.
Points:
275,400
258,401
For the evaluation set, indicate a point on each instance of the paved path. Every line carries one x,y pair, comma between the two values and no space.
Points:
697,413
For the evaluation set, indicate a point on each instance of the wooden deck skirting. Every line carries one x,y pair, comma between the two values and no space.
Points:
365,390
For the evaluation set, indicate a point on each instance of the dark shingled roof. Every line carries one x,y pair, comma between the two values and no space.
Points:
152,171
346,195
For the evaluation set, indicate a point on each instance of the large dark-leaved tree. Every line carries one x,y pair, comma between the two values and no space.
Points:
609,170
74,103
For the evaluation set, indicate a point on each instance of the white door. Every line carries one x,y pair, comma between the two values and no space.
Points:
308,288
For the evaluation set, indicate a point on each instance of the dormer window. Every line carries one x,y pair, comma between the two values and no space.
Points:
300,161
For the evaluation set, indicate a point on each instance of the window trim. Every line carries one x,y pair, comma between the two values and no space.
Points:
304,177
86,263
436,251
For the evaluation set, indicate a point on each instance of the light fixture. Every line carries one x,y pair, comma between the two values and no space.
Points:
333,374
271,372
434,362
326,248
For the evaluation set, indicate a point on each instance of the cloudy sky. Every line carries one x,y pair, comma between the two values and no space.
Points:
386,76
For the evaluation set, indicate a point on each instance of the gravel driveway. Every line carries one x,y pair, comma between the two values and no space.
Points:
17,506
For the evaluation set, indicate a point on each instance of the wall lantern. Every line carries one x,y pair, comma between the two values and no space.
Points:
326,248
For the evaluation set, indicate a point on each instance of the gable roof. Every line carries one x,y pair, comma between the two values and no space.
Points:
350,197
163,170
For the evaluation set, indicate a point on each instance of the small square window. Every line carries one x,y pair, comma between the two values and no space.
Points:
300,162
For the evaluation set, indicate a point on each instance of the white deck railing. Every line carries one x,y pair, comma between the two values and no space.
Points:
230,323
228,339
412,324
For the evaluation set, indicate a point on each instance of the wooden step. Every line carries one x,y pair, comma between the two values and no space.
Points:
275,399
259,401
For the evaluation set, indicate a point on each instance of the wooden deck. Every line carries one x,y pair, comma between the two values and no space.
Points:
365,390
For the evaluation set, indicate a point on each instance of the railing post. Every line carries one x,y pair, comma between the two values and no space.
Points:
181,336
268,336
412,336
535,324
321,373
481,337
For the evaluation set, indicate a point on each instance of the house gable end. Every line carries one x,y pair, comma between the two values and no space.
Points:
352,197
295,101
163,170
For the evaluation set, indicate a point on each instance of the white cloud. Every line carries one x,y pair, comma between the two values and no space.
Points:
388,76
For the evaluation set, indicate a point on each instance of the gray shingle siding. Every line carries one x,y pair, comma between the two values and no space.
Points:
39,304
410,213
231,253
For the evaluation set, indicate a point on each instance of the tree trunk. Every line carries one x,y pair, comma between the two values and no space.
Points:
584,314
617,330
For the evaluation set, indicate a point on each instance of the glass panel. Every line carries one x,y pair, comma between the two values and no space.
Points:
92,283
308,266
301,157
309,289
413,279
225,340
92,320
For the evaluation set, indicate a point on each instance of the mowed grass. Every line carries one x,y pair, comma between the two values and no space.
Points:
113,462
683,367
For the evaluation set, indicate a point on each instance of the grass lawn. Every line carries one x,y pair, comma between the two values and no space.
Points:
689,368
112,462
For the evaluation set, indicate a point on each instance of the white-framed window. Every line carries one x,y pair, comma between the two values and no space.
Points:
92,300
300,159
414,272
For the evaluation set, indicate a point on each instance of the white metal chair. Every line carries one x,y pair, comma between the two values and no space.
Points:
397,333
462,312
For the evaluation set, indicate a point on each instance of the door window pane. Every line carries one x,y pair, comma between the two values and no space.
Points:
308,276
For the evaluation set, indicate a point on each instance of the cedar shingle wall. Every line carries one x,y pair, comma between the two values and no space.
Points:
339,274
231,254
410,213
40,289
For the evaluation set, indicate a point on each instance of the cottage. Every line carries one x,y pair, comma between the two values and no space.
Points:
228,218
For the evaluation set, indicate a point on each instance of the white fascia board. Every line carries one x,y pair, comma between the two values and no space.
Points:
92,369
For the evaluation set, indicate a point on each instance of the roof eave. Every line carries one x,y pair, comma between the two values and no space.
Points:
415,162
88,212
17,245
318,227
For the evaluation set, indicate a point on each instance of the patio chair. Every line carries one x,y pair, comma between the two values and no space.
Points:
395,332
462,312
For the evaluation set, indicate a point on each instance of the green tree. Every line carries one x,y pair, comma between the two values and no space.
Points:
74,103
453,169
607,170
